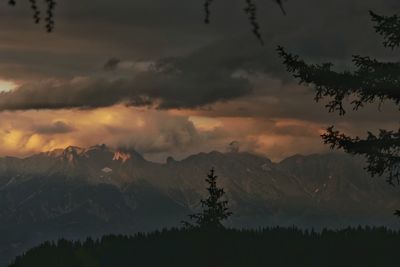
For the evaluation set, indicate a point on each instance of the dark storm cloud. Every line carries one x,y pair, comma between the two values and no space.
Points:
111,64
57,127
85,33
165,87
168,58
202,77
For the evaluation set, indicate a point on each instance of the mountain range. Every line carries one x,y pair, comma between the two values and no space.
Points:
79,192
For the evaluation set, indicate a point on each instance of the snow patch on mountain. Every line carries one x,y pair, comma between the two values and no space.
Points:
106,170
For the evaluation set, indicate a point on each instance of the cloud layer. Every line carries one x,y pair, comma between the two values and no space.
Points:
156,134
149,75
164,85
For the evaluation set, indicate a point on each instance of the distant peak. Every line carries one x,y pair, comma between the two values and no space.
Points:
70,152
98,147
171,160
74,149
56,152
120,155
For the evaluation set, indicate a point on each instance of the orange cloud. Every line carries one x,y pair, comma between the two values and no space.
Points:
157,134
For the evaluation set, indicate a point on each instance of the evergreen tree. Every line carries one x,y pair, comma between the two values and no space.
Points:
50,5
215,210
250,9
372,81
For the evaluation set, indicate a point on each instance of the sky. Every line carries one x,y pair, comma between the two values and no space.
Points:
149,75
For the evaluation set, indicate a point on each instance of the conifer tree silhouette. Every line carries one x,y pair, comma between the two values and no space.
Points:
372,81
250,10
50,5
215,210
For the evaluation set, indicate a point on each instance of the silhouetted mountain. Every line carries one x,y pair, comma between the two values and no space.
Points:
76,192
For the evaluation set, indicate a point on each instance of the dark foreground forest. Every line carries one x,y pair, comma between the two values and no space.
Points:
194,247
204,241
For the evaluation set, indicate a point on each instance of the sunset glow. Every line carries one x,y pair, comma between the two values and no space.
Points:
85,84
240,133
6,86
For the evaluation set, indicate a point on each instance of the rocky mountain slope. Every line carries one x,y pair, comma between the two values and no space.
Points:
78,192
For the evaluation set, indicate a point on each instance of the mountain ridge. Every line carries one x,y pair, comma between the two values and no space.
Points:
78,192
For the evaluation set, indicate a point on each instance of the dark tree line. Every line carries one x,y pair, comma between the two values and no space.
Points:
372,81
208,243
279,247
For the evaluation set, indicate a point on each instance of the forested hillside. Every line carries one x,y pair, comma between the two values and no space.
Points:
278,247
